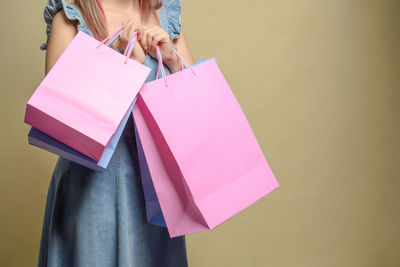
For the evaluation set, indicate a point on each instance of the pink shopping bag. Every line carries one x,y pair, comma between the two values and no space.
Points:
84,97
152,205
205,162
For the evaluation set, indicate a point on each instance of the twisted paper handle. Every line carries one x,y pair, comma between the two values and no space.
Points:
161,66
112,37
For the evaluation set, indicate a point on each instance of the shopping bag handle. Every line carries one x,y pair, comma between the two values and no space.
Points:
112,37
130,46
161,66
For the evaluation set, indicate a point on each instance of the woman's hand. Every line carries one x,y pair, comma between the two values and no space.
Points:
150,37
130,27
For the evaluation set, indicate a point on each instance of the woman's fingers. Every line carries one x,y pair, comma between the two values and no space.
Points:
145,37
150,37
160,36
130,27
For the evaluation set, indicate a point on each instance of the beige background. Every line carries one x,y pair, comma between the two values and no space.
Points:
319,84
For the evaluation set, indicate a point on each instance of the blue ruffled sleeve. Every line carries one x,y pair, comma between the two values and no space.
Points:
52,7
173,8
71,12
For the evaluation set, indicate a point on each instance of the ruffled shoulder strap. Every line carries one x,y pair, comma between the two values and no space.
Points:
173,12
72,12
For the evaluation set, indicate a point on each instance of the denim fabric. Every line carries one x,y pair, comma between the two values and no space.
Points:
98,219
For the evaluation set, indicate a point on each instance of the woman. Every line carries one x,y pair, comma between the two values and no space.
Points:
98,219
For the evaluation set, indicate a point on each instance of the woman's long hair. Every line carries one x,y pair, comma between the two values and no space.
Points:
93,13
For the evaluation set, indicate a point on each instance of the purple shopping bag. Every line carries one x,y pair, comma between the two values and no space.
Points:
39,139
153,210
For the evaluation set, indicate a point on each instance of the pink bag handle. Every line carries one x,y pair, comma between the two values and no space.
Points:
161,66
112,37
130,46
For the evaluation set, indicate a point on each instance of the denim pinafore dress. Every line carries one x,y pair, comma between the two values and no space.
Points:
98,219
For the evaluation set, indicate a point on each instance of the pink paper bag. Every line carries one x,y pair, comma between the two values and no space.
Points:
205,162
84,97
